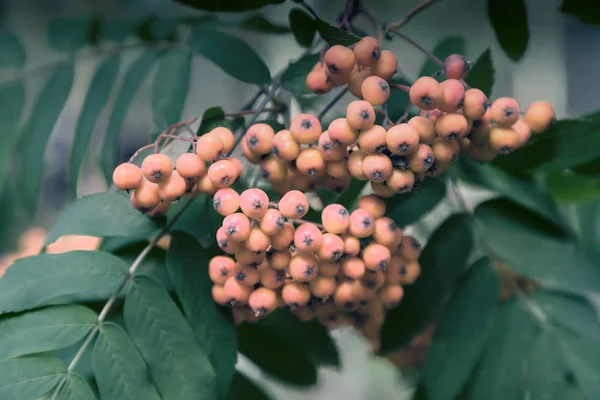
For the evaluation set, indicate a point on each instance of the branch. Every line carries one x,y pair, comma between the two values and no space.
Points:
333,102
429,54
411,14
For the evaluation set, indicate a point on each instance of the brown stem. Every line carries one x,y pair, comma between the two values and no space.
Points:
404,88
406,113
303,221
250,112
429,54
139,151
411,14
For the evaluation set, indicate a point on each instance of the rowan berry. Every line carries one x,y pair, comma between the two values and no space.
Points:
205,185
357,78
219,296
272,278
384,231
411,248
304,267
373,140
341,133
305,128
284,146
505,111
367,51
339,60
413,270
318,81
237,227
257,242
452,126
504,140
246,275
262,301
422,159
381,189
523,130
293,205
475,104
222,173
173,188
127,176
376,256
373,204
146,195
295,294
402,139
274,169
454,95
539,116
425,128
456,67
209,147
157,168
375,90
445,151
308,238
343,297
395,271
259,138
391,295
225,243
283,239
220,268
254,202
377,167
236,292
426,93
362,223
272,222
330,150
310,162
386,66
279,259
401,181
250,156
360,114
355,165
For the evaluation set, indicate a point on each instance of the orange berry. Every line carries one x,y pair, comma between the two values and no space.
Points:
341,133
305,128
250,258
308,238
413,270
376,256
381,189
377,167
343,297
254,202
401,181
219,296
523,130
402,139
209,147
322,287
367,51
222,173
274,169
384,231
220,268
505,111
353,268
293,205
172,189
337,185
280,259
452,126
504,140
259,138
304,267
272,278
329,269
335,218
445,151
329,150
396,270
272,222
160,210
475,104
317,80
386,66
373,204
373,140
146,195
284,146
351,246
127,176
332,247
411,248
262,301
422,159
539,116
310,162
226,244
426,93
357,78
432,115
236,292
237,227
246,275
250,156
257,242
227,138
361,223
360,114
391,295
375,90
456,67
374,279
363,295
226,201
454,95
295,294
284,239
157,168
355,164
190,166
339,60
205,185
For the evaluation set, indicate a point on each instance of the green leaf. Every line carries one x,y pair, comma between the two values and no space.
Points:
76,388
522,190
442,263
483,73
534,248
102,214
178,364
243,388
211,118
201,210
12,53
170,87
500,374
349,197
570,187
587,11
228,5
95,101
119,369
585,222
46,329
570,311
408,208
259,23
116,30
294,76
233,55
303,27
582,355
134,78
37,132
278,359
334,35
70,34
29,378
462,331
187,264
163,28
12,101
447,46
509,20
44,279
567,144
547,379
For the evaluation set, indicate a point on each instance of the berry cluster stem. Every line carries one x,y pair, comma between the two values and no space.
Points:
429,54
411,14
332,103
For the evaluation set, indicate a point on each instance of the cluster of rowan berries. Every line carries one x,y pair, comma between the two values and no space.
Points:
350,267
159,183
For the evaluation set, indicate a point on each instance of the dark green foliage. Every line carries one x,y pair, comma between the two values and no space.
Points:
587,11
303,27
409,207
482,73
509,20
228,5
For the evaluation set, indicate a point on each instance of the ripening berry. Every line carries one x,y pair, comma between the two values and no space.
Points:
357,78
482,153
247,257
236,292
127,176
367,51
283,239
398,237
284,146
376,256
413,270
293,205
329,150
386,66
190,166
464,144
272,278
432,115
396,270
351,246
373,204
317,80
279,259
339,60
377,167
355,164
503,140
385,231
254,202
445,151
237,227
257,241
337,169
157,168
456,67
539,116
335,219
523,130
475,104
308,238
222,173
373,140
411,248
219,296
329,269
401,181
454,95
274,169
146,195
272,222
360,115
362,223
352,267
382,190
248,154
173,188
305,128
304,267
310,162
322,287
375,90
341,133
391,295
480,133
402,139
209,147
332,248
262,301
226,244
422,159
227,138
337,185
425,128
505,111
237,164
220,268
343,297
246,275
302,182
160,210
295,294
452,126
259,138
205,185
226,201
426,93
374,279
